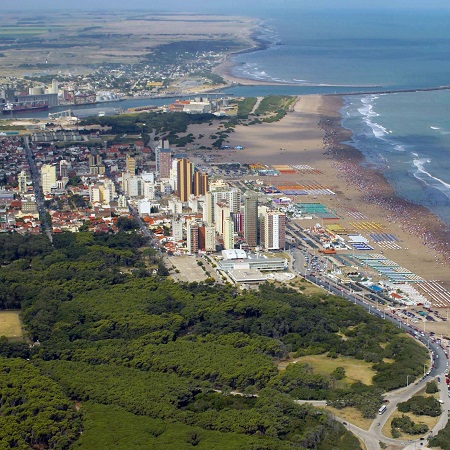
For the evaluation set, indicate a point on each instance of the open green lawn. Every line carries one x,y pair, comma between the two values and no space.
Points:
355,370
427,420
10,324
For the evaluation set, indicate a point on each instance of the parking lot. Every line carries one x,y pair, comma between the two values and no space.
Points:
189,270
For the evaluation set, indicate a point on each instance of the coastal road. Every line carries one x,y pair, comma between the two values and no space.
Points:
435,368
438,364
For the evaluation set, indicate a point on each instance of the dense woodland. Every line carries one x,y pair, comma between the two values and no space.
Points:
154,364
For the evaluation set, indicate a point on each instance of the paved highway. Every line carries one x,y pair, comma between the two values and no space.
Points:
437,366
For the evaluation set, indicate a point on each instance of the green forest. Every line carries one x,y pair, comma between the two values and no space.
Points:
117,355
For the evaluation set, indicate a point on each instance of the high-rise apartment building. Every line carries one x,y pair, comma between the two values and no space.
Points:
48,178
192,237
201,183
273,230
165,163
22,181
177,229
64,167
130,163
210,239
208,209
185,170
213,198
228,234
133,186
251,218
222,214
96,166
238,221
234,200
163,159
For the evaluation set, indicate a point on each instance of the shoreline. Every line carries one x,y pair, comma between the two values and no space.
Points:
225,68
312,135
414,219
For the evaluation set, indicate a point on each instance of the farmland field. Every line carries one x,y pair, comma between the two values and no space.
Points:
10,324
83,39
21,32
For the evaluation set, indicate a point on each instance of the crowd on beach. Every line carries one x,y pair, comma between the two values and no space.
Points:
376,191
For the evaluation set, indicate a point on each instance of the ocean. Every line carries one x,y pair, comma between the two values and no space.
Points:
407,135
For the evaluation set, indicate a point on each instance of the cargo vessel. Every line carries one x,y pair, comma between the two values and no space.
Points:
24,106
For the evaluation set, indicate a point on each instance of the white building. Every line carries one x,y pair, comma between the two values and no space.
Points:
48,178
94,194
214,197
22,181
175,206
133,186
122,202
210,239
148,190
193,203
228,234
177,229
144,206
222,214
273,230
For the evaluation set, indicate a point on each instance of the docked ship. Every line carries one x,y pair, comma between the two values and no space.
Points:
107,96
25,106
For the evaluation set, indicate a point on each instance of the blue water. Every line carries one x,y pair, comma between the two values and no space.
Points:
407,135
392,49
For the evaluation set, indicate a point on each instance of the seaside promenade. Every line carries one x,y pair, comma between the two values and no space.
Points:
312,135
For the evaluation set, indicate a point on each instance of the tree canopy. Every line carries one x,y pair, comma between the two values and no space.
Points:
121,339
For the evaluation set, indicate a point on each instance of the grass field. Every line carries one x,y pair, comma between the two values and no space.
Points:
17,32
351,415
430,421
10,324
355,369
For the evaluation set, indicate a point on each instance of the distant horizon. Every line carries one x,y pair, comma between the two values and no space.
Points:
232,7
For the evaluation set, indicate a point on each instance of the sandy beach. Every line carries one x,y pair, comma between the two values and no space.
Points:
312,135
224,69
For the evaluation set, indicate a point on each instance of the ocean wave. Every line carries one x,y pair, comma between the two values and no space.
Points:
368,113
253,72
422,174
434,128
378,130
